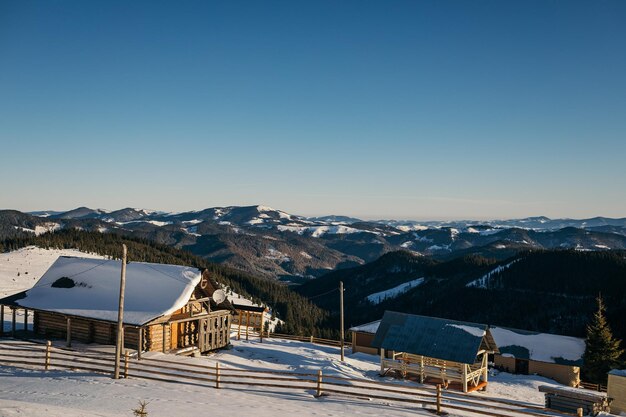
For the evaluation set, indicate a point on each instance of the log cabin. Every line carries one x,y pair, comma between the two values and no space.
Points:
435,350
168,308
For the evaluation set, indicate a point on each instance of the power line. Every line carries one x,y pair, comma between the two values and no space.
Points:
319,295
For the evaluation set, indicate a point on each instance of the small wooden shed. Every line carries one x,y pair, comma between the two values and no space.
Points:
435,349
167,307
363,336
553,356
617,391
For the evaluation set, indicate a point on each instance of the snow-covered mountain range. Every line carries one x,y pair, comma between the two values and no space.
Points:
274,243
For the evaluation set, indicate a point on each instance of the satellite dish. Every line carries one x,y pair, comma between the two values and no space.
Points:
219,296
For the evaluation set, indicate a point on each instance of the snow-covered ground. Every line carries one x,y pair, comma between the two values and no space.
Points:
72,394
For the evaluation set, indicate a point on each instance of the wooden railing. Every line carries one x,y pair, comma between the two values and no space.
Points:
594,387
34,355
254,332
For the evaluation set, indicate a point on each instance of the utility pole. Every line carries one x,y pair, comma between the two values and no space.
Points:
120,317
341,310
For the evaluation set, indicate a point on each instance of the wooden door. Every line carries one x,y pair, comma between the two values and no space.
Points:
174,336
521,366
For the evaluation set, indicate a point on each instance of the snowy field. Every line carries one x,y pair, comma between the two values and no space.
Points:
73,394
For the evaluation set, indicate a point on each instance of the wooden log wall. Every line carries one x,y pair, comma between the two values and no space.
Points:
54,325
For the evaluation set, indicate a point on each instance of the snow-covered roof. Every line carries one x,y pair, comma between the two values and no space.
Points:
618,372
542,347
366,328
90,288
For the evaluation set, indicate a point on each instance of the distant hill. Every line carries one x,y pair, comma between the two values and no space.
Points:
275,244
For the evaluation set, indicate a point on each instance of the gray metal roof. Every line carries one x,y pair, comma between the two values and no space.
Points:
444,339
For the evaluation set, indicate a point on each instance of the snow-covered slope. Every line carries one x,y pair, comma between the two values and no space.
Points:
483,281
381,296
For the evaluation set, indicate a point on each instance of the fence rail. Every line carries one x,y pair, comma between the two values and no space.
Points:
26,354
594,387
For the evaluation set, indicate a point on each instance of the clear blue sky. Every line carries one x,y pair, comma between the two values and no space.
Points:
388,109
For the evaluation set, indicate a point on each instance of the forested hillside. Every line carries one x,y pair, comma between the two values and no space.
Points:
300,315
551,291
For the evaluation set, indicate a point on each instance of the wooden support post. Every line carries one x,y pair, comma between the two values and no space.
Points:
47,362
311,339
217,375
485,368
126,363
341,311
438,399
579,412
68,332
2,320
239,327
140,343
164,334
382,360
12,322
25,320
465,377
422,372
319,384
261,332
247,323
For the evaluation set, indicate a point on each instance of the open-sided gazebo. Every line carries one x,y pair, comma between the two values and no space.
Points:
435,349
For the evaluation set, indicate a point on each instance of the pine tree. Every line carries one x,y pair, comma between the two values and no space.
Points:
602,350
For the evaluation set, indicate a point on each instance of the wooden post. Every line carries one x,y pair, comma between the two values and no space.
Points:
68,332
438,399
579,412
126,363
311,339
120,317
382,359
12,322
485,369
247,323
239,327
163,341
261,332
341,310
25,320
422,372
2,319
47,362
465,377
319,384
217,375
140,343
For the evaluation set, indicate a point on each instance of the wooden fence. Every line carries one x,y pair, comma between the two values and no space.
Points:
243,332
30,354
593,387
